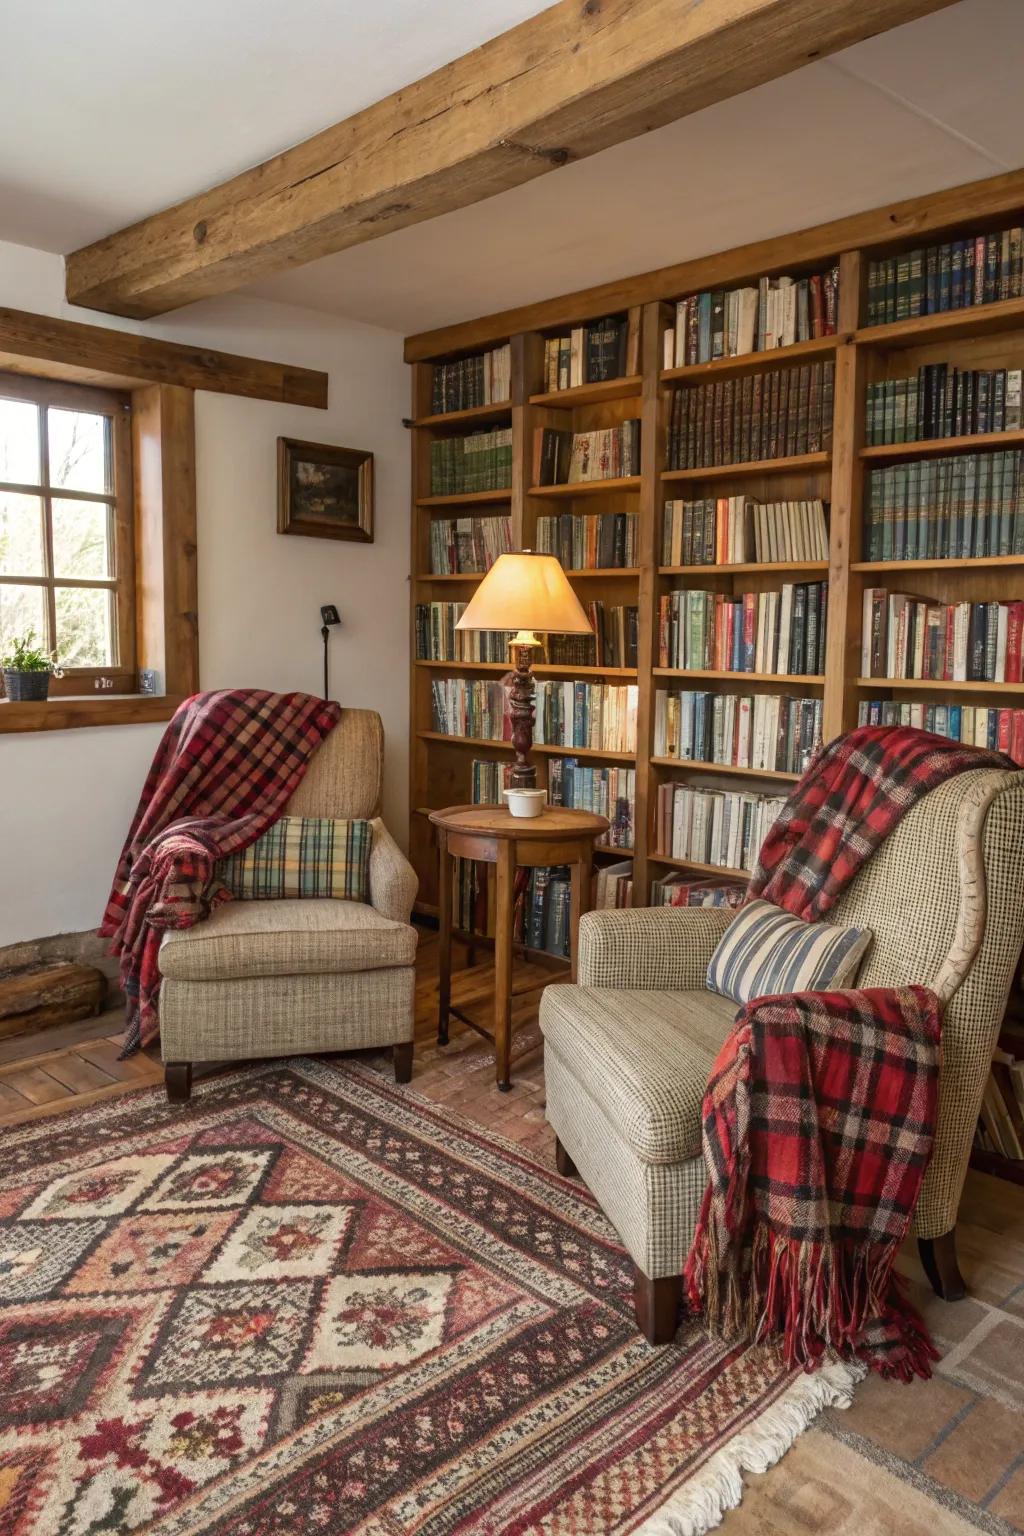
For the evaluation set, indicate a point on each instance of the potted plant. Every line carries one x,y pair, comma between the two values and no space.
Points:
27,670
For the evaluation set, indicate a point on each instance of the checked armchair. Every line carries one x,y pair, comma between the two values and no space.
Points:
628,1049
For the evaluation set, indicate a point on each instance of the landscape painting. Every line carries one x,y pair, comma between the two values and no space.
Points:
324,492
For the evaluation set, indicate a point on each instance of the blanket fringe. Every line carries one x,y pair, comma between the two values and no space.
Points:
703,1501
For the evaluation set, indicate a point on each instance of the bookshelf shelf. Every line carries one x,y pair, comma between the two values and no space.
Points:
754,362
938,685
951,567
467,499
591,394
541,668
620,853
796,463
795,679
588,487
939,447
472,415
545,748
429,577
727,768
747,567
604,573
950,325
701,869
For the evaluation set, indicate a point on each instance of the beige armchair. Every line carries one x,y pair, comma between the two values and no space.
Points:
280,978
628,1050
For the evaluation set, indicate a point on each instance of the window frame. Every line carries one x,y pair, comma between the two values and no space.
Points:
122,677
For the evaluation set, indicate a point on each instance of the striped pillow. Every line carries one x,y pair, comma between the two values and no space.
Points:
766,952
302,856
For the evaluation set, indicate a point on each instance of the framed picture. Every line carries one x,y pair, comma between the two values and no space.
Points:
324,492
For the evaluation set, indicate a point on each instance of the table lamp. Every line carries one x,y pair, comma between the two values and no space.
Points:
525,593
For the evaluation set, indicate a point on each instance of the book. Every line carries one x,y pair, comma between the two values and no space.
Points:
976,725
930,279
590,541
467,545
437,638
777,414
712,826
598,716
735,530
603,349
771,732
904,635
605,791
756,632
482,378
957,507
943,401
613,643
681,890
479,461
731,323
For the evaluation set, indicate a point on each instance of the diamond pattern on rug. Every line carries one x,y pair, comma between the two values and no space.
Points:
152,1251
377,1322
106,1189
273,1242
208,1180
35,1256
229,1334
48,1368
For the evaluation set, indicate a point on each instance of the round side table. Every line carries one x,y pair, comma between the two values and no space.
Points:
492,835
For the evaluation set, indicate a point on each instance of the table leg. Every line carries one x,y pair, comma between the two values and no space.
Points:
504,882
444,902
579,903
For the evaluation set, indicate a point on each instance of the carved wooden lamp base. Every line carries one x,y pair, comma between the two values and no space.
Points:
521,694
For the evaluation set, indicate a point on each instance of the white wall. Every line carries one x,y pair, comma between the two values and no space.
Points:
66,797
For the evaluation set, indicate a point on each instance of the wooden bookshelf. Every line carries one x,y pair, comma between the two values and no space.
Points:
983,337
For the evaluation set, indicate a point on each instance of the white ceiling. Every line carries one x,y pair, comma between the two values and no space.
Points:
143,105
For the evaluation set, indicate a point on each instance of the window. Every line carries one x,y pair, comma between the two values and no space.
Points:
66,529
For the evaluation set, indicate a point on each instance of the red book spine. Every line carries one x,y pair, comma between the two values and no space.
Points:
1017,736
749,632
947,670
1014,631
1004,730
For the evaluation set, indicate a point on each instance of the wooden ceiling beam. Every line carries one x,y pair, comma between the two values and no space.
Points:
572,80
94,354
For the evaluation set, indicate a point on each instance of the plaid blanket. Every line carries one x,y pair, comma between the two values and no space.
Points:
847,803
223,773
818,1125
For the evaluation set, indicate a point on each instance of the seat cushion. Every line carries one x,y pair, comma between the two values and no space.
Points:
286,938
643,1056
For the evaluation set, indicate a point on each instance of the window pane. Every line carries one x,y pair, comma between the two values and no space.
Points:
21,615
79,450
84,627
19,442
21,535
82,543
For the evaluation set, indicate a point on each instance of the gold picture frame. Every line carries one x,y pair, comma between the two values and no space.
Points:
324,492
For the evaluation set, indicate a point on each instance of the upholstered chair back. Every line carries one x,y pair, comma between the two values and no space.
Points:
944,895
346,773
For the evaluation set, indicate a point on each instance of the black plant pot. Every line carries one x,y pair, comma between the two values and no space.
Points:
23,686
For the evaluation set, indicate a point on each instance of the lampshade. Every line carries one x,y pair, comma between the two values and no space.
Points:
526,592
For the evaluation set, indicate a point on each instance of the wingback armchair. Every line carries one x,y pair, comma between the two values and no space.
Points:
277,978
628,1049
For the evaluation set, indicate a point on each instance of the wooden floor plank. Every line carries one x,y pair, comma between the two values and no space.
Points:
37,1086
105,1055
78,1073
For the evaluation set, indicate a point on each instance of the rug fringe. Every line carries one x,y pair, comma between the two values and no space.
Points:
703,1501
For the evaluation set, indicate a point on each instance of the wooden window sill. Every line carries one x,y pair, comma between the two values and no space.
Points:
66,714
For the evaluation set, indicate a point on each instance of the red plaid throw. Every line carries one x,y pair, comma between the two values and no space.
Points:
817,1131
223,773
847,803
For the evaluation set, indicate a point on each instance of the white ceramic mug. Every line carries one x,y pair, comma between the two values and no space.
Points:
526,802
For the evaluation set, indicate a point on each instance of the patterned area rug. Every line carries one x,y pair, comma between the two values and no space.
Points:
311,1301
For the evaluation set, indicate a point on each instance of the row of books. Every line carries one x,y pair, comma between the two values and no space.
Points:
613,643
957,274
713,826
561,457
599,716
592,353
480,461
909,636
681,890
477,708
1001,1126
488,778
777,313
483,379
1001,730
958,507
770,415
767,632
763,731
437,639
942,401
540,916
467,545
613,886
607,792
735,530
595,540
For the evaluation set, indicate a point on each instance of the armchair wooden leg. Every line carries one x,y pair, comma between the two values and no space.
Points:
178,1081
658,1304
938,1256
564,1163
403,1062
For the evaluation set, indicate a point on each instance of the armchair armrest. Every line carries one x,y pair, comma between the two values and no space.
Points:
393,881
663,949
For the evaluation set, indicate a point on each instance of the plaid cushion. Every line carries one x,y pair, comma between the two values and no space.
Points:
765,952
302,856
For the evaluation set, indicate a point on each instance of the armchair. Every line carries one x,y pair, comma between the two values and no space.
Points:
628,1049
278,978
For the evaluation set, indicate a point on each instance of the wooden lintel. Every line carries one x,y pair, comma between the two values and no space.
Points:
94,354
576,78
880,228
